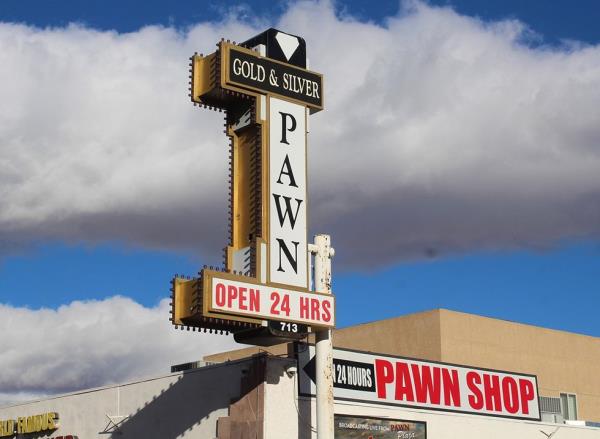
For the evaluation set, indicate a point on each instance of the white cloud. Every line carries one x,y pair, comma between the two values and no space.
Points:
442,133
92,343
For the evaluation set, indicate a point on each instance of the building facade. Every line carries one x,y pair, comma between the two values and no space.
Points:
566,364
255,393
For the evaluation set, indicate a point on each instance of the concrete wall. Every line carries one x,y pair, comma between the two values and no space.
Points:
281,393
180,405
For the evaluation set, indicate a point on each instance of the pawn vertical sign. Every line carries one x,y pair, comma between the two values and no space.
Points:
287,187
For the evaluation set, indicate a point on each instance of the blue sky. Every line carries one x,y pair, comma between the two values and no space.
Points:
555,20
556,288
503,223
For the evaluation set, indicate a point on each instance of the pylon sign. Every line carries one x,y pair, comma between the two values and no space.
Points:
267,94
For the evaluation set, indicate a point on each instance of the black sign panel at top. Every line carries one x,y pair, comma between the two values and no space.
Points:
262,74
347,374
274,46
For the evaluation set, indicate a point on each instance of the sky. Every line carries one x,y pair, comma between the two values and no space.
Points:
456,165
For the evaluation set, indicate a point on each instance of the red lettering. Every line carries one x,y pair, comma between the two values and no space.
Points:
231,295
404,390
491,389
304,307
275,300
326,313
426,386
254,300
384,374
315,314
451,387
285,304
220,294
527,394
476,399
243,298
510,394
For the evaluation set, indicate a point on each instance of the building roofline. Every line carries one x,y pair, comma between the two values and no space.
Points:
128,383
463,313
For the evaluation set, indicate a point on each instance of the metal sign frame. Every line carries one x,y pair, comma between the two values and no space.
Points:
249,121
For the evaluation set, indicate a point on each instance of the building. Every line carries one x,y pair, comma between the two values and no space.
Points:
257,392
565,363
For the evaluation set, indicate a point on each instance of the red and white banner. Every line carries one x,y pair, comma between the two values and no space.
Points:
407,382
270,302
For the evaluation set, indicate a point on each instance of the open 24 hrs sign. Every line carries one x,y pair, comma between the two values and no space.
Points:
231,294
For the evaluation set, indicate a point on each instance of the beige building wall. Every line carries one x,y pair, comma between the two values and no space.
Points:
413,335
562,361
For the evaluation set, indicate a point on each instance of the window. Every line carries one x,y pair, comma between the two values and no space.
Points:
549,404
568,402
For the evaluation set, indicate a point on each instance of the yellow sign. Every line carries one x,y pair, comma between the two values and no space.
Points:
267,94
29,424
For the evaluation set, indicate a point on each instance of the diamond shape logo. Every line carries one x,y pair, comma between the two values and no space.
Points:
288,44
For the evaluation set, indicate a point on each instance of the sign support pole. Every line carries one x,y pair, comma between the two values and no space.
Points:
324,340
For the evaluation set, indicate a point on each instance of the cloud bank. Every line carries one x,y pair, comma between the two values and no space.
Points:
90,344
442,133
